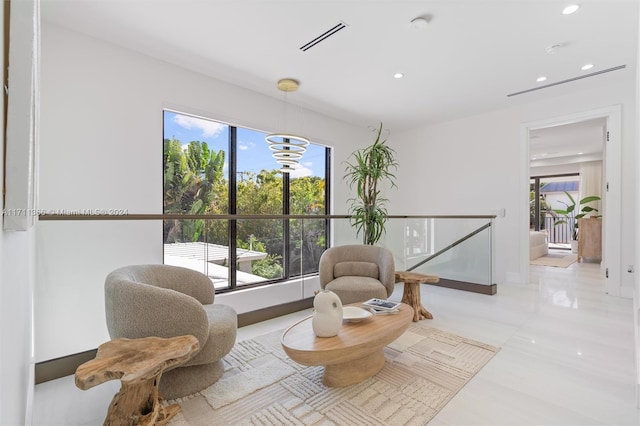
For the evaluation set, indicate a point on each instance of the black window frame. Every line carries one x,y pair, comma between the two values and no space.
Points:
232,210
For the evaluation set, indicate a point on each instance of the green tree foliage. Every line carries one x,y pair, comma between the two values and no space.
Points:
307,195
177,177
260,194
269,267
192,178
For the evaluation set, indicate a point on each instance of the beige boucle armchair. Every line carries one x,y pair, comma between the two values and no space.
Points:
168,301
357,272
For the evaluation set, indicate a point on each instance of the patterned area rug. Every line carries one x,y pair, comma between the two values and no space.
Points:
425,368
557,260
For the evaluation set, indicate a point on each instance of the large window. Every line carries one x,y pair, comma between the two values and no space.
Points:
213,168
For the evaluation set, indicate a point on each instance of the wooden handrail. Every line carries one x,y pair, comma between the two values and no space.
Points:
169,216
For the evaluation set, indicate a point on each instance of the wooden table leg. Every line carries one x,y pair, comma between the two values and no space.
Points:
138,403
355,371
411,296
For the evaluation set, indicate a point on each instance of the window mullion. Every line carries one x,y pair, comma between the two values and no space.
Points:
286,224
233,191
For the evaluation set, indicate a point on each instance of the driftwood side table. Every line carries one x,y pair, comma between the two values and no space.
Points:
411,293
139,364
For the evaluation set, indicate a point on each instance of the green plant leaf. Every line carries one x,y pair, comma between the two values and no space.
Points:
589,199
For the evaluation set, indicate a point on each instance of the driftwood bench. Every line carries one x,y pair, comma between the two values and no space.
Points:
411,293
139,364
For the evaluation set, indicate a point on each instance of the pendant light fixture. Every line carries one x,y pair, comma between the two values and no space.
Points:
287,148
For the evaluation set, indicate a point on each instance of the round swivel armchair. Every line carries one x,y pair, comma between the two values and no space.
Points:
357,273
168,301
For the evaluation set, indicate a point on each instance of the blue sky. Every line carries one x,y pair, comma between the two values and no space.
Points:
253,151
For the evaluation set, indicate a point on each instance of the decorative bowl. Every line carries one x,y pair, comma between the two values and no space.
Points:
354,314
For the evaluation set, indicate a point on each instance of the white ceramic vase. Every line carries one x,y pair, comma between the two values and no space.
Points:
327,314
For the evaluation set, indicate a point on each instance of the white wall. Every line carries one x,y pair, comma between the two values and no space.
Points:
16,248
636,294
101,148
472,165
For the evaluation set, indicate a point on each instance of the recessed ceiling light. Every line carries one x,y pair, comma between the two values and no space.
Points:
572,8
418,23
586,67
553,48
398,75
580,153
541,79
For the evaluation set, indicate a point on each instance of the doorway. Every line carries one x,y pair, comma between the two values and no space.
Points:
610,118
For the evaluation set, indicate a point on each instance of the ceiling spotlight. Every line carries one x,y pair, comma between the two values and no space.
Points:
553,48
418,23
398,75
572,8
586,67
541,79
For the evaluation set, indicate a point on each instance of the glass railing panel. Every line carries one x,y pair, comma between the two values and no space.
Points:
469,261
399,233
307,242
457,249
343,233
72,260
425,244
200,245
259,252
259,248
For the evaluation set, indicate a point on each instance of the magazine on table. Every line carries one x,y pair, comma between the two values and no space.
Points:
382,305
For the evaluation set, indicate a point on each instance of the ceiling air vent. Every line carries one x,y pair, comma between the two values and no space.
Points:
323,36
619,67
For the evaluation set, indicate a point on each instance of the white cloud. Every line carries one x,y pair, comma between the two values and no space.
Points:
300,171
209,128
243,146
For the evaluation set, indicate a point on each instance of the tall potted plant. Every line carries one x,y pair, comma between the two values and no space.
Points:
367,169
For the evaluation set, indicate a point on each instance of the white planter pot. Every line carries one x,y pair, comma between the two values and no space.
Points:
574,246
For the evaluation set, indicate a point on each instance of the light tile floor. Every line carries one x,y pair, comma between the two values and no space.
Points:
567,356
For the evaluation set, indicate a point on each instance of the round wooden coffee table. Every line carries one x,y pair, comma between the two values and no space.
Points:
352,356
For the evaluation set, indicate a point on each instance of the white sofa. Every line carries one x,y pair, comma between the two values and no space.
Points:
538,246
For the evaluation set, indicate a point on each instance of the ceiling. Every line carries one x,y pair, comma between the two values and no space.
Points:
466,60
567,143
